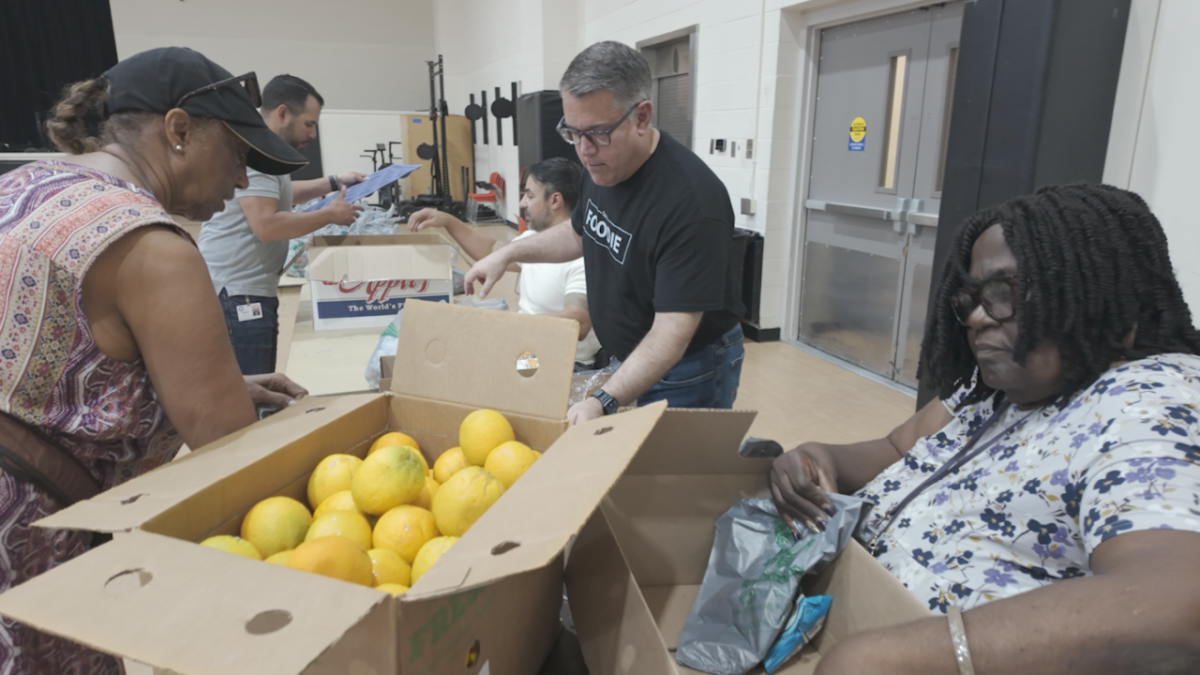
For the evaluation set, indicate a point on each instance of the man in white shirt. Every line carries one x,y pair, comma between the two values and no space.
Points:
553,289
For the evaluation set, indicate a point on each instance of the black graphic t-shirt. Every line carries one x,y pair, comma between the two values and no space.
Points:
658,242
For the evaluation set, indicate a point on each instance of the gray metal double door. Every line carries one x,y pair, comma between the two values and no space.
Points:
884,88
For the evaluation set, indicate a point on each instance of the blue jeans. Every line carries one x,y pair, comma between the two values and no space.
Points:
706,378
254,341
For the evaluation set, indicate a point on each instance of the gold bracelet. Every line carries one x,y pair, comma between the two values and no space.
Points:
958,637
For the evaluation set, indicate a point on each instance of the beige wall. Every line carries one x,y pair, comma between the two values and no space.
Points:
360,54
1153,149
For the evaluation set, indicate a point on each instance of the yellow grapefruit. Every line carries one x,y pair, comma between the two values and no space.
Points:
425,499
338,501
389,478
333,474
429,554
389,567
280,558
509,460
463,499
232,544
481,431
349,524
449,463
276,524
404,530
394,589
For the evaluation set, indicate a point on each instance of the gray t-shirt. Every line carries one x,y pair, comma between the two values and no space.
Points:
238,261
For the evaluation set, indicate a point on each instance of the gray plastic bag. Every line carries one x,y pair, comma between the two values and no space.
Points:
752,580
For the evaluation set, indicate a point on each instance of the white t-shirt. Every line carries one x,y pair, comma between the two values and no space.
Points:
544,286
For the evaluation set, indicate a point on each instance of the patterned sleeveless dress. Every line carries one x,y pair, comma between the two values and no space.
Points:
55,221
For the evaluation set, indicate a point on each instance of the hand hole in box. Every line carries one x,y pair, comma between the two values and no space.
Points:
268,621
133,499
601,431
504,547
127,581
472,654
313,410
527,364
435,351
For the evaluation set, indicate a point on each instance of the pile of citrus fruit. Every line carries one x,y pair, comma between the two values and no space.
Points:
385,520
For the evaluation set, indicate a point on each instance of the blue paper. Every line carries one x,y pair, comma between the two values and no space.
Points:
806,620
376,181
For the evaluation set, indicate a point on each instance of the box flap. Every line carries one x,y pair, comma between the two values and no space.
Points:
471,357
133,503
551,502
699,442
175,605
373,257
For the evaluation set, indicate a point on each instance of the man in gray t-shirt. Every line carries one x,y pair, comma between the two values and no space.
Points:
246,245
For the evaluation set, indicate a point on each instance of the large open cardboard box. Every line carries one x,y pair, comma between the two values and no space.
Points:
491,605
636,568
363,281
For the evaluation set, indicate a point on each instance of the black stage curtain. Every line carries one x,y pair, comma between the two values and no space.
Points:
45,45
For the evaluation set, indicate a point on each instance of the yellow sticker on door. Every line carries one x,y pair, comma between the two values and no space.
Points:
858,134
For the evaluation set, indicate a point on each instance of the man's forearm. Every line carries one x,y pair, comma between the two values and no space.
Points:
657,353
284,225
474,244
304,190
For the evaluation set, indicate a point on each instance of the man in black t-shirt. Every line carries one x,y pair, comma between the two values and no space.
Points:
654,227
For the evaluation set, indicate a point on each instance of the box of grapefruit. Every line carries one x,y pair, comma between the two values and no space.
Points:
420,530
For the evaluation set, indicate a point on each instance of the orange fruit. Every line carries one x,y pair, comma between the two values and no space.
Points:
509,461
404,530
335,557
449,463
481,431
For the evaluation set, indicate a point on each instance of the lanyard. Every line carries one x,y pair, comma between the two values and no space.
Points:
968,452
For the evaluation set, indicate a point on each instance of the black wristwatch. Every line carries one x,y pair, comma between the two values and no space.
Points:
608,402
333,183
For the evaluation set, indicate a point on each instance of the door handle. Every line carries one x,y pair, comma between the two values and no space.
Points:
926,219
851,209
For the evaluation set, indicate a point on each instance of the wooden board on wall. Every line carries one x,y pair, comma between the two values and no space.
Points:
417,129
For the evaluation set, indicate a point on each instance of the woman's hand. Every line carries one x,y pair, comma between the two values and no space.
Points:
799,479
274,389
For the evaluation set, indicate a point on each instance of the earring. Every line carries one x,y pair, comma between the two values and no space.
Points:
179,148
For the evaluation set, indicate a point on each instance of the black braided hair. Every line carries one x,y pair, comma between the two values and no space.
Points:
1092,263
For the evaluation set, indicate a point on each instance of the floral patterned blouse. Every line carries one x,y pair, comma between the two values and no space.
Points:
1123,455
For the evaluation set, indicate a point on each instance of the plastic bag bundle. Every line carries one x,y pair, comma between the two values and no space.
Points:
752,582
372,220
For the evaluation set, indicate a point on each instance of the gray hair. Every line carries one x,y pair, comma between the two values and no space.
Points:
609,65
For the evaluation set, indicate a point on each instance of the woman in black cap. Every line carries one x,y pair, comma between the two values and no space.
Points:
113,349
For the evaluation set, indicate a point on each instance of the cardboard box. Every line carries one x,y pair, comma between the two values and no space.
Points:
363,281
490,605
636,568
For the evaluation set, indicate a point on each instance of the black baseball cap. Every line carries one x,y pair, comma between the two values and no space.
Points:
157,80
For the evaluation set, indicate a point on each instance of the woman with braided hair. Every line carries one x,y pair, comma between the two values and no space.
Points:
1049,503
112,345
